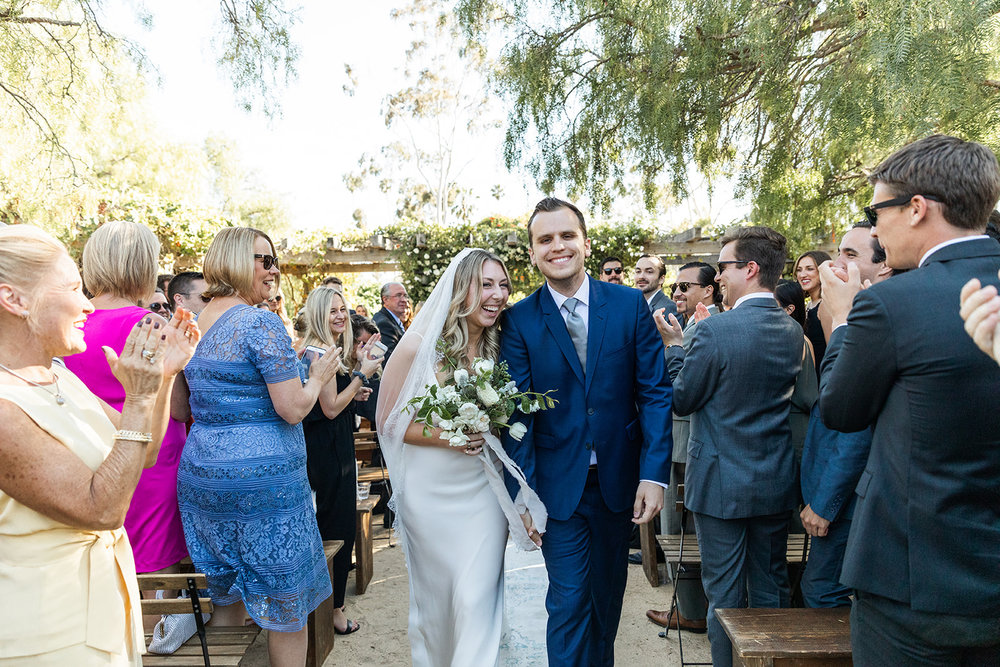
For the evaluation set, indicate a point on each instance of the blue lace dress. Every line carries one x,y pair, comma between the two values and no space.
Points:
243,493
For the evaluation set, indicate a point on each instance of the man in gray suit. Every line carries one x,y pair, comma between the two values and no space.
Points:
735,382
923,554
649,274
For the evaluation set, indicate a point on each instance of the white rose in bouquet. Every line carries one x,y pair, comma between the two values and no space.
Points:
448,393
458,440
469,412
487,395
509,389
517,430
461,377
483,366
483,425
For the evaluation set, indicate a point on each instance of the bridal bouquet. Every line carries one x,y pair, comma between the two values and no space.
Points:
474,401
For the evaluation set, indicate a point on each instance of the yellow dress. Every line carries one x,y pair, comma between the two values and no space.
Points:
67,596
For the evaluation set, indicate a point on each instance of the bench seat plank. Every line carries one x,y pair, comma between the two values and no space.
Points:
789,636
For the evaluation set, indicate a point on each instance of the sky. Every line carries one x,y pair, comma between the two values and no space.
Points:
322,132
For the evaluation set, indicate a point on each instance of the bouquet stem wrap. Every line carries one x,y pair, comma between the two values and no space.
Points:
527,499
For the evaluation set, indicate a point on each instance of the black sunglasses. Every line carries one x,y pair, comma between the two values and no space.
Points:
608,272
722,265
871,212
684,287
268,261
159,308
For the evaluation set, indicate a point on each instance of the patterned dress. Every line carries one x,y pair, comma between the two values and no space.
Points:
244,496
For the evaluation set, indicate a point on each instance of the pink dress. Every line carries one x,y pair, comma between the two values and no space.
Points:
153,522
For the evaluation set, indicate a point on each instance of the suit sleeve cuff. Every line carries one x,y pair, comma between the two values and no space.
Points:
653,481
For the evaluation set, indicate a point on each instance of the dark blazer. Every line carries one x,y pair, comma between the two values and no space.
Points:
926,527
390,330
736,383
832,463
661,300
620,407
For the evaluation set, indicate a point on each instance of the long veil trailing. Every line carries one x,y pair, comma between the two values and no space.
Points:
410,369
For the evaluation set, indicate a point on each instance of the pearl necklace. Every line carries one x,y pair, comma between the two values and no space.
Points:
60,400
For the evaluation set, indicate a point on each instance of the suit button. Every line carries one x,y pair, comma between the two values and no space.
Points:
591,411
588,446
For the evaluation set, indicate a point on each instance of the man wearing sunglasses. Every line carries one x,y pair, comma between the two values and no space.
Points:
610,271
923,555
736,381
185,291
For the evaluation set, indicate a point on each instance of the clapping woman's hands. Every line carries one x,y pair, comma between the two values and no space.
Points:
324,369
368,364
181,336
139,369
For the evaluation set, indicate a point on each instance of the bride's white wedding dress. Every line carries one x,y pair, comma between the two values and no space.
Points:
453,513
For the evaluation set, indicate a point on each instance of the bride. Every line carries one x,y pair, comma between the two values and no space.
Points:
453,512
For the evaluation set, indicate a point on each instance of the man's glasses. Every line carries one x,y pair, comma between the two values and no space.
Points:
268,261
616,271
398,296
159,308
871,212
684,287
722,265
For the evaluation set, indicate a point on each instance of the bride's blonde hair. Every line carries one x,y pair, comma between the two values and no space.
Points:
455,333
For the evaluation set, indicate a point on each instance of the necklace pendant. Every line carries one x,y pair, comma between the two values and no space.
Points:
60,400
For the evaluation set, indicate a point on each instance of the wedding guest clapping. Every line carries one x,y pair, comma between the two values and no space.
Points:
980,308
119,269
69,462
329,430
244,497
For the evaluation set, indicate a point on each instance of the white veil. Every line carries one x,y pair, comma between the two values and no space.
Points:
410,369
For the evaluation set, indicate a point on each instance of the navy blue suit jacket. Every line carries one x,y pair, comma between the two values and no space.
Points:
619,407
832,463
926,528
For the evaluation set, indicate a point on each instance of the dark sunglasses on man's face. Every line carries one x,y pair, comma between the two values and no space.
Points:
268,261
684,287
871,212
159,308
723,265
609,271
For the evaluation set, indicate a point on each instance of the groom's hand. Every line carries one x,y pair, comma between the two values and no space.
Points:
648,502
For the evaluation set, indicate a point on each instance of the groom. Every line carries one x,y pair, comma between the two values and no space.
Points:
601,458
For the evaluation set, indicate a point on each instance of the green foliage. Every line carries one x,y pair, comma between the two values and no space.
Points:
795,100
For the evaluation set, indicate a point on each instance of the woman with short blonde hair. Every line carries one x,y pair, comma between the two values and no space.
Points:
121,259
71,462
242,486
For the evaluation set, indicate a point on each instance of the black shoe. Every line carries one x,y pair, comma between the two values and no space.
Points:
636,558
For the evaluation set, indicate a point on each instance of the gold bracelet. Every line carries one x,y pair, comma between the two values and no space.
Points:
135,436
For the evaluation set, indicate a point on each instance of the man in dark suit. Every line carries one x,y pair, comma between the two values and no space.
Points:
600,458
649,274
389,318
736,382
923,554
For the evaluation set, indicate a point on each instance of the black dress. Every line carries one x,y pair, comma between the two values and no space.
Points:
814,332
333,476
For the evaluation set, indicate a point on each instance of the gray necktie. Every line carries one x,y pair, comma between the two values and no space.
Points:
577,330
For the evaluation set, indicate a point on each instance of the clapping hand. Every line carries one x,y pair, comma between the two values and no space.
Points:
839,289
139,368
368,363
671,332
701,312
529,527
980,308
324,369
180,337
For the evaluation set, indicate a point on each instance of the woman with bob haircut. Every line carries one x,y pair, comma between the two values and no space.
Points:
242,486
70,463
119,269
329,431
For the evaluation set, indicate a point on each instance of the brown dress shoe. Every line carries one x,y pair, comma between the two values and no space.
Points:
666,619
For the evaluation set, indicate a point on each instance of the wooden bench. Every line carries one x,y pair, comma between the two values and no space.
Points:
225,646
320,624
787,637
797,549
364,553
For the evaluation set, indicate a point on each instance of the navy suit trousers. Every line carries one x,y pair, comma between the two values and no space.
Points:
821,585
586,557
742,565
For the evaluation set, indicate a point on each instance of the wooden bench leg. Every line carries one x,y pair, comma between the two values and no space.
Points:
363,553
320,624
647,542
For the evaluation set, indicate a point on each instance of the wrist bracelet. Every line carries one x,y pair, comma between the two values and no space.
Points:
364,378
135,436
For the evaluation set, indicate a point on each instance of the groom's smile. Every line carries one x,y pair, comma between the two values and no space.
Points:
559,247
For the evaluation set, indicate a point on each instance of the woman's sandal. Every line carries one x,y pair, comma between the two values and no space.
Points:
352,626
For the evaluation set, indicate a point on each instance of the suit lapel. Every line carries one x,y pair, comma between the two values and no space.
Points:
595,328
557,327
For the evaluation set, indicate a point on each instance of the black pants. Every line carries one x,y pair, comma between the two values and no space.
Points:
333,476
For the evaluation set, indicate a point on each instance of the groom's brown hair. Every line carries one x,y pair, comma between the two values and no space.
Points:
550,204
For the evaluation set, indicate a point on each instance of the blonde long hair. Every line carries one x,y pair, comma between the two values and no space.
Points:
455,333
317,319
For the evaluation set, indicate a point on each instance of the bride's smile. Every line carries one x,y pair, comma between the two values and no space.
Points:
492,297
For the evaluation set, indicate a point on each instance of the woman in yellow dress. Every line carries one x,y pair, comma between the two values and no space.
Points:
69,463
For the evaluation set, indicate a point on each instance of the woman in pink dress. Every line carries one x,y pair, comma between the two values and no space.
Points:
119,269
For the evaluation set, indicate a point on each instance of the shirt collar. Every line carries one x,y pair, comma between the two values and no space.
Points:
753,295
393,316
960,239
582,294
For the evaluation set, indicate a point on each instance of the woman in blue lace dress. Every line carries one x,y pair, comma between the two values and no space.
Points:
242,488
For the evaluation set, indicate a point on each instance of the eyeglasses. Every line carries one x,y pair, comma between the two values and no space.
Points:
722,265
398,296
684,287
871,212
268,261
159,308
616,271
